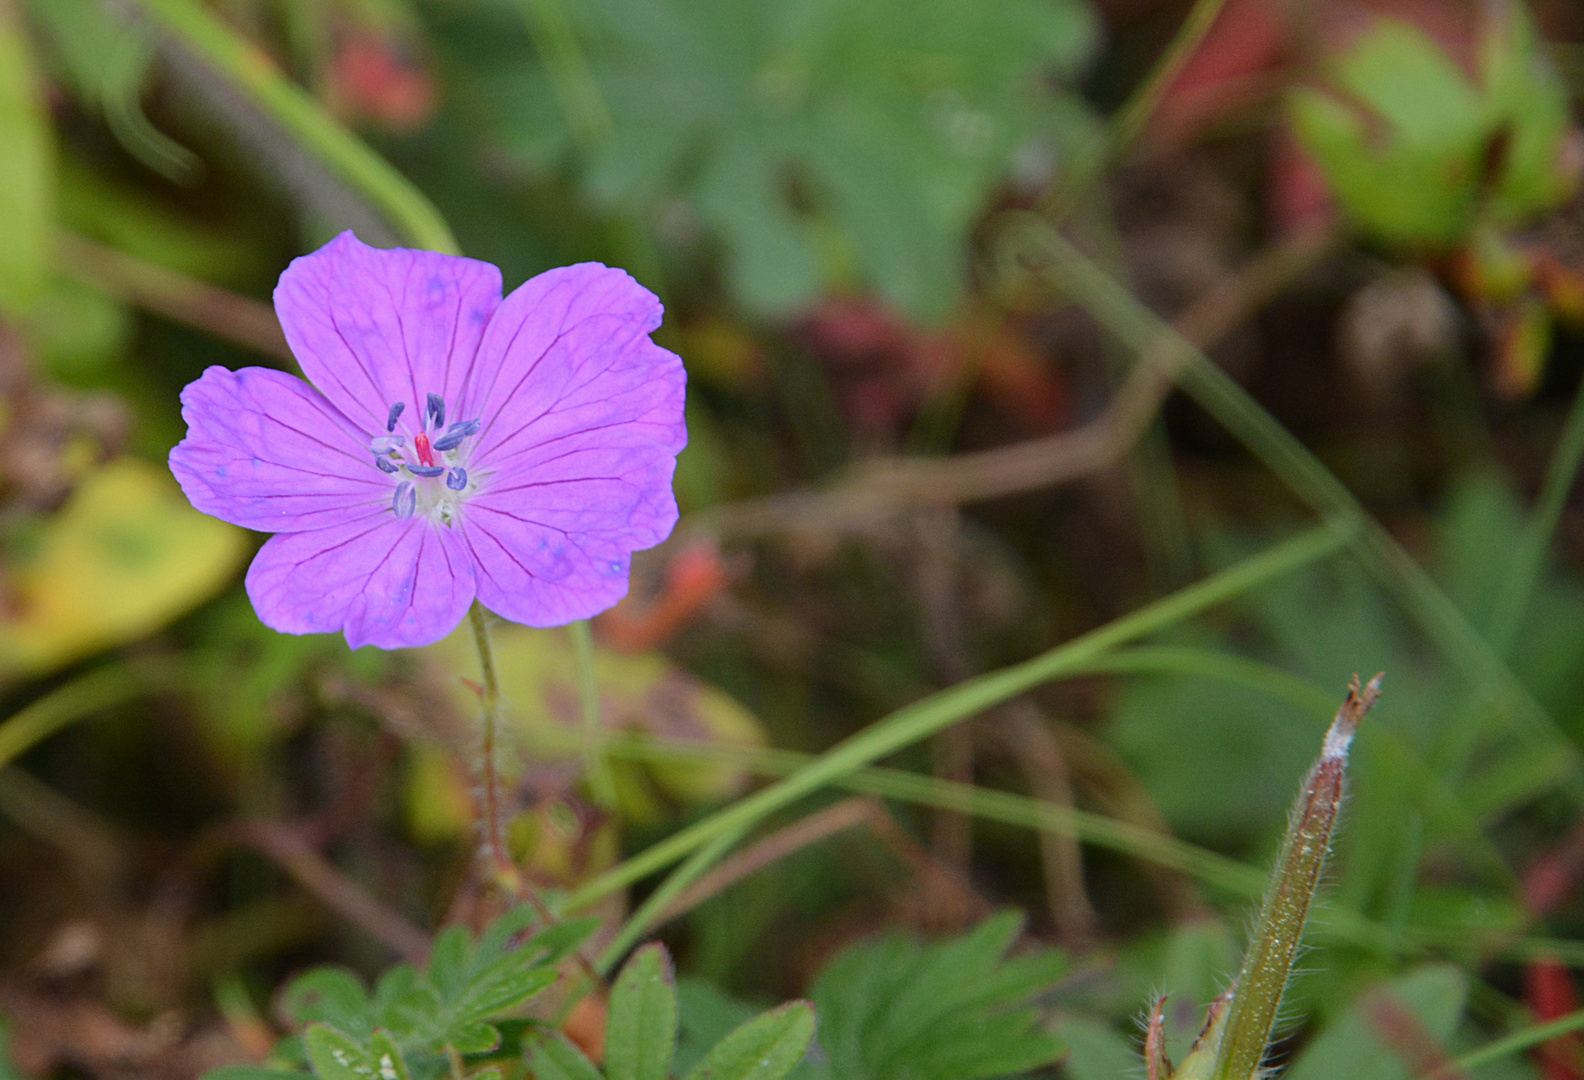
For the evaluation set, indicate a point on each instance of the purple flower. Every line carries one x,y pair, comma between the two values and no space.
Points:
453,445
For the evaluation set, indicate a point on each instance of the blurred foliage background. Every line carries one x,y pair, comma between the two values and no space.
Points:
938,272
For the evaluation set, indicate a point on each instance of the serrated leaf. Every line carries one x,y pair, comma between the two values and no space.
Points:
641,1028
337,1056
555,943
893,1009
885,122
765,1048
470,1038
388,1060
449,967
504,985
552,1057
496,939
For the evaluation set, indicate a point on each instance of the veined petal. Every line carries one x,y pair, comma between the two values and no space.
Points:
372,327
531,571
569,352
610,482
266,451
383,581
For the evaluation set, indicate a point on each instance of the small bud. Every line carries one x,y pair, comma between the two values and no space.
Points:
1257,995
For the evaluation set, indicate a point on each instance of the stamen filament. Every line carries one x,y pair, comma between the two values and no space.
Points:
405,500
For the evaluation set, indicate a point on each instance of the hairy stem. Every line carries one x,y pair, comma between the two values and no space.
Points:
501,864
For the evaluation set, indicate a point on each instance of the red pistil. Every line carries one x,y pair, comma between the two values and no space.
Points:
425,451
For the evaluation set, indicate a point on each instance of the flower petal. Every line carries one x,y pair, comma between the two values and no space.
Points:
266,451
582,422
372,327
534,573
385,582
569,352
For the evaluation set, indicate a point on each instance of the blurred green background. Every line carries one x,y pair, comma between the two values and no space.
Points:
910,254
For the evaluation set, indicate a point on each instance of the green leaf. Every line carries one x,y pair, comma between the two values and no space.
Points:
893,1009
388,1057
1095,1051
556,943
1352,1045
336,1056
765,1048
640,1030
329,995
823,141
552,1057
1406,141
233,1072
27,178
502,986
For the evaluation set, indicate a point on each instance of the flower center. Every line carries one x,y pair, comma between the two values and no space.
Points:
433,476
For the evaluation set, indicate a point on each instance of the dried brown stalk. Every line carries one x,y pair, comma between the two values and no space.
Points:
881,488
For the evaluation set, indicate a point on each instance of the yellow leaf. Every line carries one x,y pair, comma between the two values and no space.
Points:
124,557
645,693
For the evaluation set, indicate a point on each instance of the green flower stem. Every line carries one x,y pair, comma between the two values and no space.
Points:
255,75
1515,1043
653,907
501,863
602,785
1257,994
1528,562
571,80
924,718
1219,394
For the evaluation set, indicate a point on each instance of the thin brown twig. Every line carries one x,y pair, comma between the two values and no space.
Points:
1027,734
288,849
937,578
237,319
878,489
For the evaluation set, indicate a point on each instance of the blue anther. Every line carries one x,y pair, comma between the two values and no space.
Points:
384,444
456,480
449,441
437,411
395,414
464,427
385,465
426,470
405,501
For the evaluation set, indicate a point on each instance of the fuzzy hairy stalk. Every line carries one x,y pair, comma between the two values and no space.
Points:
1268,964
